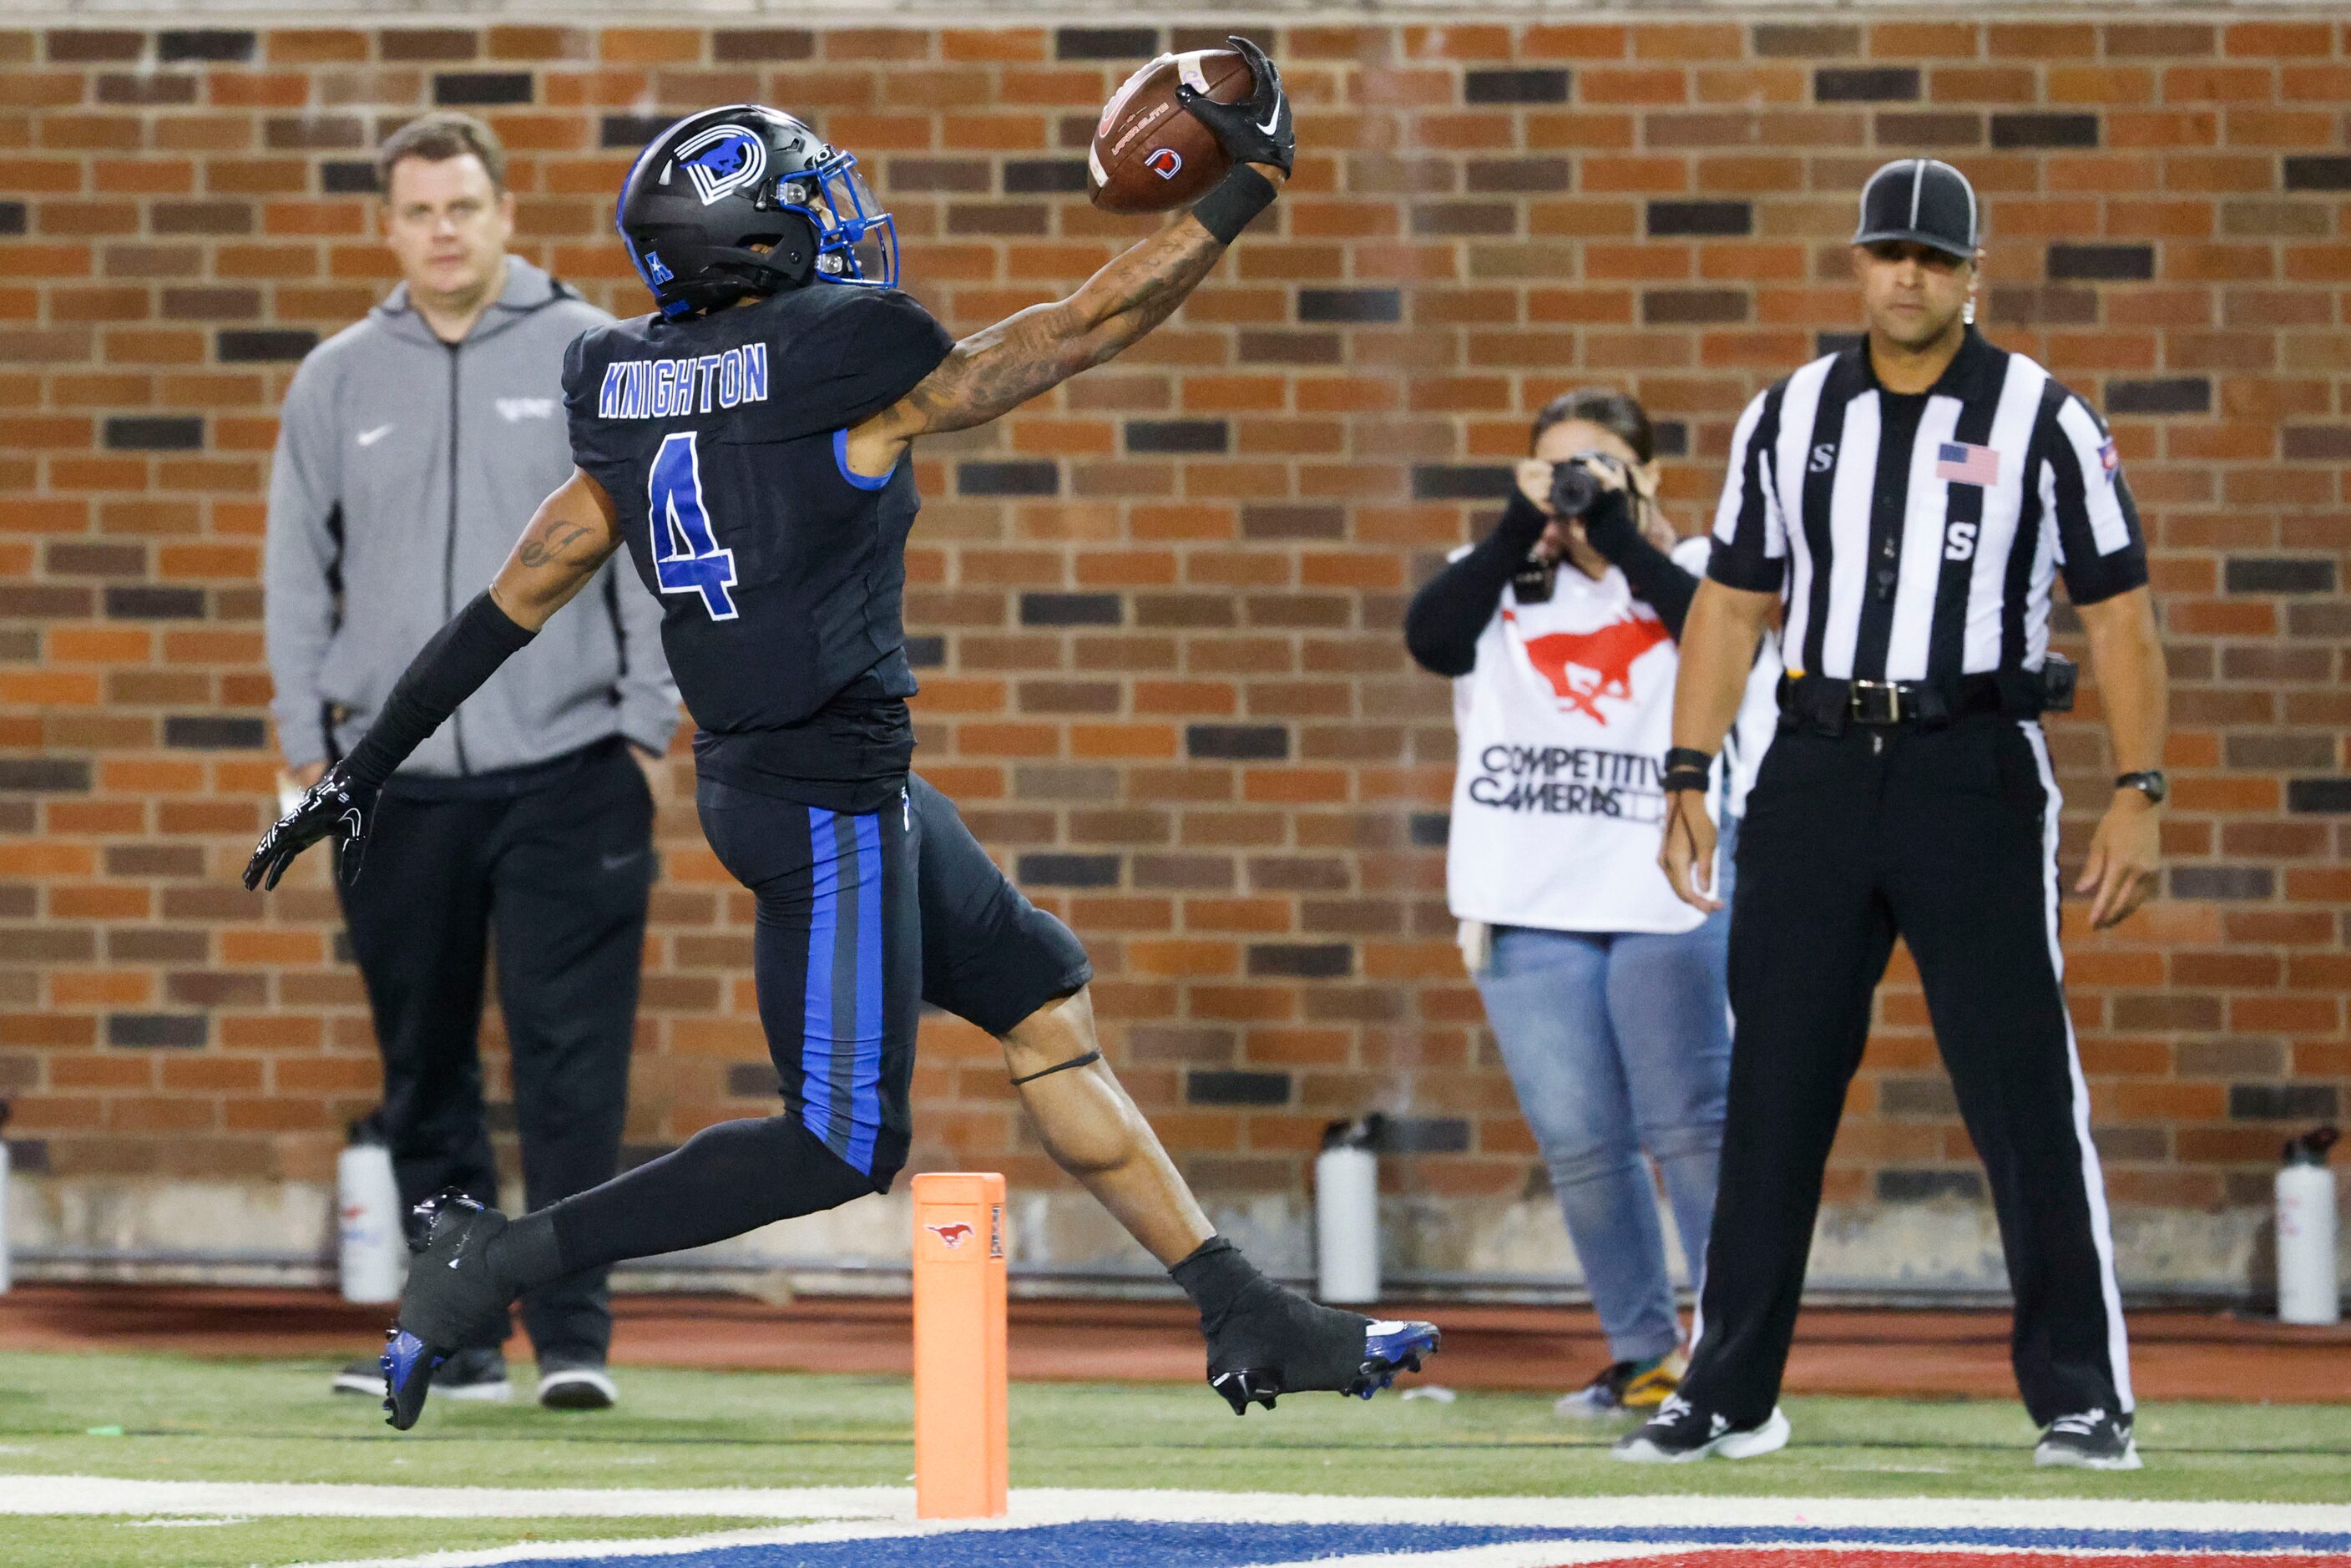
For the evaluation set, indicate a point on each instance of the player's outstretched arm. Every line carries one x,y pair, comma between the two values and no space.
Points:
999,368
573,532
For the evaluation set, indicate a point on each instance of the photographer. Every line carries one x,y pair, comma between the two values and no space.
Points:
1607,993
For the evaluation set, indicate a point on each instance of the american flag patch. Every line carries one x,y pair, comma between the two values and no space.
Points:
1963,463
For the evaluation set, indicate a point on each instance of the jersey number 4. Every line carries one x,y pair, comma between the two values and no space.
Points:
687,558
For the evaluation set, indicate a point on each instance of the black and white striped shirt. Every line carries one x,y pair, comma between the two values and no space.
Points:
1916,537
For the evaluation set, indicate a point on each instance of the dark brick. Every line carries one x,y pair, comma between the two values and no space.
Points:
1669,438
346,177
211,732
1515,86
44,775
2022,130
1264,346
1177,435
28,1156
1067,871
73,557
1424,1135
2318,173
1301,960
142,603
229,217
218,303
146,91
2169,394
1341,306
1930,130
1430,830
1451,218
1136,44
212,45
731,45
314,133
11,217
2318,797
1520,176
464,89
156,432
2279,751
1044,176
752,1081
1461,482
79,46
630,130
1692,307
418,46
155,860
1070,610
960,176
1293,520
926,653
236,347
1236,742
1805,40
1669,218
1228,1088
2316,443
2044,306
1026,477
2222,881
2101,263
2258,574
178,1031
1866,84
2283,1102
1925,1186
1916,1097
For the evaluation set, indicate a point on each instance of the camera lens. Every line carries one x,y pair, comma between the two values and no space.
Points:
1573,490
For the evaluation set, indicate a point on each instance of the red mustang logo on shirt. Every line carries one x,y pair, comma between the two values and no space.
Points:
1606,653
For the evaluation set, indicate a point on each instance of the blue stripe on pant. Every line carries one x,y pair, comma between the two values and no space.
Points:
842,1011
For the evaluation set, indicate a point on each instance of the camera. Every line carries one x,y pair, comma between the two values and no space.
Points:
1574,488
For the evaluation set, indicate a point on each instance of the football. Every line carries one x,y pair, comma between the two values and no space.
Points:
1148,154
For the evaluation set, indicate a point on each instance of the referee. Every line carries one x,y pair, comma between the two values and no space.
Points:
1911,502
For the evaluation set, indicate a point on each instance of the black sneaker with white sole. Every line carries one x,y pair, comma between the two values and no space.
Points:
2090,1440
581,1385
1680,1432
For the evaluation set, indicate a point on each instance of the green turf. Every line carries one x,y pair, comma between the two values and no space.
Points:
187,1419
244,1543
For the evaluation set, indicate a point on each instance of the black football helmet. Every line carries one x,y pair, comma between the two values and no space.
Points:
749,200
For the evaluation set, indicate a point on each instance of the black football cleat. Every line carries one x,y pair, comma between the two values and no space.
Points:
453,1299
2090,1440
1276,1341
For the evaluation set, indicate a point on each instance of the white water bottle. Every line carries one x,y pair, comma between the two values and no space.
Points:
2308,1288
4,1109
372,1255
1347,1212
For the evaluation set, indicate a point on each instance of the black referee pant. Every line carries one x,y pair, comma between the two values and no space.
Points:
556,862
1946,837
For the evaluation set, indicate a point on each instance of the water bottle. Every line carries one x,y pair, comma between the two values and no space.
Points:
372,1256
1347,1212
2308,1288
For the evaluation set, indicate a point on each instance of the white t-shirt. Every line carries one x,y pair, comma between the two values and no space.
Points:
1563,728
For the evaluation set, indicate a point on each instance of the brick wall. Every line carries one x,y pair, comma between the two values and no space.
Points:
1157,612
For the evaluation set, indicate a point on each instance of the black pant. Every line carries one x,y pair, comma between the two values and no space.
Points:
1946,837
556,861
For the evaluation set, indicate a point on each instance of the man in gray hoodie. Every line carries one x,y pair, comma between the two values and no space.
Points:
408,445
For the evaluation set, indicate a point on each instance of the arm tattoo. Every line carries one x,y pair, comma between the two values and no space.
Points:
537,552
1001,367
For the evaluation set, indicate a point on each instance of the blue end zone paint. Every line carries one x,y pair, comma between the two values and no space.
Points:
1119,1543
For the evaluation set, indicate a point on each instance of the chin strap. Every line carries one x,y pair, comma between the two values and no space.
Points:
1087,1060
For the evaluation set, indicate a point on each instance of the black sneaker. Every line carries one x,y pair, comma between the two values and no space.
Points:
453,1299
2092,1441
576,1386
1275,1341
468,1375
1680,1432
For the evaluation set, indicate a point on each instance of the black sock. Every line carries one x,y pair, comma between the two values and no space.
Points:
1217,1279
723,1181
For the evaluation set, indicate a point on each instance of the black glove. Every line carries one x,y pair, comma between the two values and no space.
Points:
335,807
1256,131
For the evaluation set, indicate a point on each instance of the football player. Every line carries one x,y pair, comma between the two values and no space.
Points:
748,442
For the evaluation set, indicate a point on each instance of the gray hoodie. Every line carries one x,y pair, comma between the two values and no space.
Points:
406,468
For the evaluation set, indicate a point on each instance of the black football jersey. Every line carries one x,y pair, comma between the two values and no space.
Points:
721,439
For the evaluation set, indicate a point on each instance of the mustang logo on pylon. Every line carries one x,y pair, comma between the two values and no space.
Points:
1607,652
954,1235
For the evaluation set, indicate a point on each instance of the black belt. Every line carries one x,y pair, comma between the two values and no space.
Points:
1830,705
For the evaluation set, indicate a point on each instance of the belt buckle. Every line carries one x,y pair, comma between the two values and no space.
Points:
1877,702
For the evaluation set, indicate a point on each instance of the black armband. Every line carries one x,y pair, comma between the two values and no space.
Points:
1687,768
1228,208
1088,1059
449,669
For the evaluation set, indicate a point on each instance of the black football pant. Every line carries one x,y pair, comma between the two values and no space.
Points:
556,862
1947,838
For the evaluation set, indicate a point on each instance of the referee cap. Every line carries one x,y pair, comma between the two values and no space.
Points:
1920,199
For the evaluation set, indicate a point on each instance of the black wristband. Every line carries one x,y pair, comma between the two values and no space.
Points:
1228,208
1687,768
451,668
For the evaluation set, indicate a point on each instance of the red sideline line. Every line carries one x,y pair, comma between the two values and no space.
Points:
1844,1557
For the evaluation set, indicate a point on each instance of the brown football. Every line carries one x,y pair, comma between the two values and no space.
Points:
1149,154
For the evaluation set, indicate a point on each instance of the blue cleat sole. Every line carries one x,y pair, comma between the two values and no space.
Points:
1389,1348
408,1365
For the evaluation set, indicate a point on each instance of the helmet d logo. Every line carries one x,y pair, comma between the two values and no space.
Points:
1164,161
722,160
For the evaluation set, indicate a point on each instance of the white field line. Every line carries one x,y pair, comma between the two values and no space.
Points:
29,1494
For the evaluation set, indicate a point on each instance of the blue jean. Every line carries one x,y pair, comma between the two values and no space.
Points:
1620,1044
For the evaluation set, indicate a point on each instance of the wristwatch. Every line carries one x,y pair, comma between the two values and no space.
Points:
2149,784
